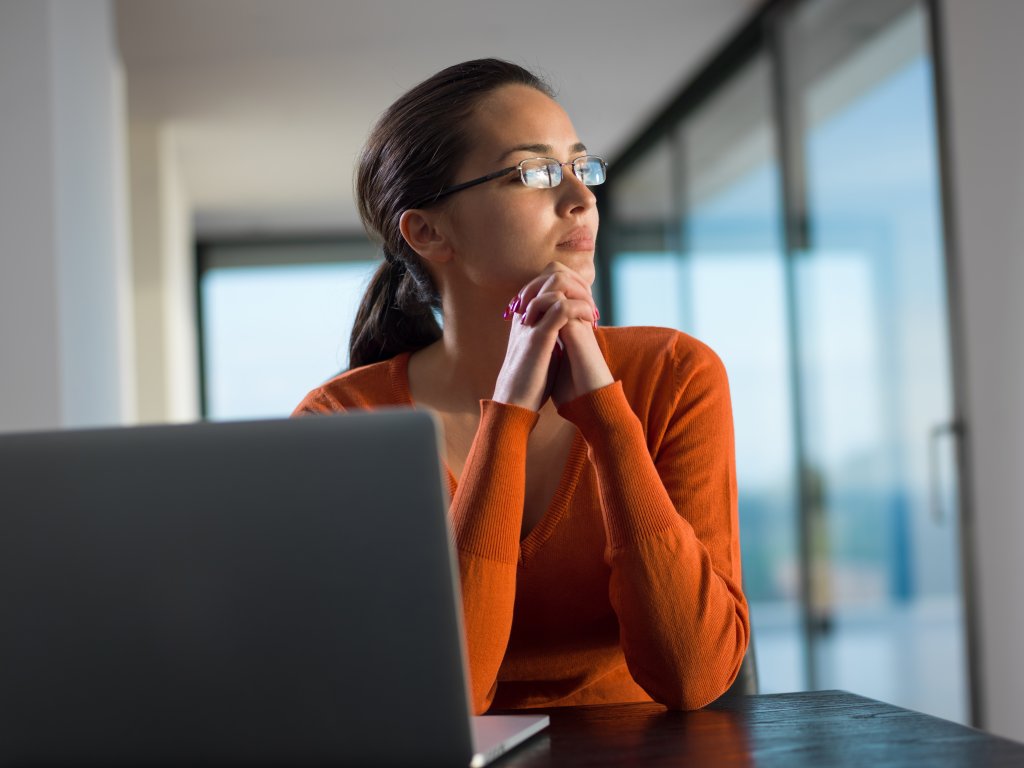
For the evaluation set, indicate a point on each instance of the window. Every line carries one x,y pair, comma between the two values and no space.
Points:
275,321
786,211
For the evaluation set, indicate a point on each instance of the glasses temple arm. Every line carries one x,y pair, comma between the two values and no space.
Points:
465,185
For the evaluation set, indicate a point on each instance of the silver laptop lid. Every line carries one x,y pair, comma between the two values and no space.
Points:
262,592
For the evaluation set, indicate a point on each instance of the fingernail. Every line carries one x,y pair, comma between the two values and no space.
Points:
517,302
511,308
597,316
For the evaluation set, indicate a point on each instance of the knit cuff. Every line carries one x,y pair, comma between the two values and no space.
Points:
505,420
599,412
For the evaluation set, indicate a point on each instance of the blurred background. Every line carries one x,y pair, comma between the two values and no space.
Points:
830,193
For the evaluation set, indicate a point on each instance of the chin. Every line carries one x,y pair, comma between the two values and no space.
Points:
580,261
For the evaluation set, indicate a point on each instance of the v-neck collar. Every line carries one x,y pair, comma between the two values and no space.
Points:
559,504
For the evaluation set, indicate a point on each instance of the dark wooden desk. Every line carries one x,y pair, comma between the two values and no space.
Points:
821,728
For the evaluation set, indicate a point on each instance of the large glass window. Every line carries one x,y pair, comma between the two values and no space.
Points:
790,218
707,257
276,318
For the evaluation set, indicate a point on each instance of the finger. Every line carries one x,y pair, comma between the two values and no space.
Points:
569,283
564,282
557,267
556,275
538,306
551,311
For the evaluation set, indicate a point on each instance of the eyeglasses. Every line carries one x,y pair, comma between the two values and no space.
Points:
537,173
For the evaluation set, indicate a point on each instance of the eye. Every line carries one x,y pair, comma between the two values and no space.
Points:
541,173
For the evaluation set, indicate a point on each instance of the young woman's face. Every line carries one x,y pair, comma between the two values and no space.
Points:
504,232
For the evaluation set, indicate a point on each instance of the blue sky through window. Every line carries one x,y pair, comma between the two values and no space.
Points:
273,333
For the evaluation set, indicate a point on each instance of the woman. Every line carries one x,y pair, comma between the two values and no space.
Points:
591,469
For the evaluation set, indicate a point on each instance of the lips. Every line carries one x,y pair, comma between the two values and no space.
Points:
579,239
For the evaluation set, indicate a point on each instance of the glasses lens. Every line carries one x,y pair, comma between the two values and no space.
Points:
540,173
590,169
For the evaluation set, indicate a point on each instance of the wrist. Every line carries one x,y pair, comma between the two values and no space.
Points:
590,370
506,396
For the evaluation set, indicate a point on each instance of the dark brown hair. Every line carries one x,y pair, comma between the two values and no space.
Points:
412,154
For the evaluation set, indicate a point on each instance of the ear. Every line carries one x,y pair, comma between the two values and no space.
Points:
425,234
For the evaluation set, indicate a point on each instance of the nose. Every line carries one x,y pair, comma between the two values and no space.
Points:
573,195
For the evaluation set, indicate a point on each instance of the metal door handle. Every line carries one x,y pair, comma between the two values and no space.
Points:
954,428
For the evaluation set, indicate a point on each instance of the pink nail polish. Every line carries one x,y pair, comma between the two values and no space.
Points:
512,308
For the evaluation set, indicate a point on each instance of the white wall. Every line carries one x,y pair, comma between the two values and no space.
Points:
179,284
65,332
147,275
29,352
164,279
985,67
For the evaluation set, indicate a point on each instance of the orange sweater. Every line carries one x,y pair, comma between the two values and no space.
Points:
628,589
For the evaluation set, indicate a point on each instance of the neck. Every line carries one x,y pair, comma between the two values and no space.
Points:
474,343
462,367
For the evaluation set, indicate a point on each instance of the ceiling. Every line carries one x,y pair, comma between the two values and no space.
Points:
268,101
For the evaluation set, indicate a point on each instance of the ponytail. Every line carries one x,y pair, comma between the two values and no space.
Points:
396,314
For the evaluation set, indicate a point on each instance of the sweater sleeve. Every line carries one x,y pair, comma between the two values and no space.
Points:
487,516
673,541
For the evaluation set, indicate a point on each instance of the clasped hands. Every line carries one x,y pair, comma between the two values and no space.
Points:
552,351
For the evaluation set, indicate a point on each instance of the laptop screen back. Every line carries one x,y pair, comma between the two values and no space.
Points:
261,592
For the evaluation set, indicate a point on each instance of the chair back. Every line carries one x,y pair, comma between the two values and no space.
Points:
745,683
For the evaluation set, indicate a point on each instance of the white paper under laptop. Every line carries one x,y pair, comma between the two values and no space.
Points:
261,592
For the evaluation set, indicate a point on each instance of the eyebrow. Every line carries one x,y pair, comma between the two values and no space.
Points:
542,149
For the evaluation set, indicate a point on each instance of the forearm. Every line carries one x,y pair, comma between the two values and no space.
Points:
683,625
486,514
675,590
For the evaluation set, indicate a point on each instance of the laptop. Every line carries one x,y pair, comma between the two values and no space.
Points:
275,592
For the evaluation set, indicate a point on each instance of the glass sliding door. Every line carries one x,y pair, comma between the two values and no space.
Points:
873,351
733,250
697,245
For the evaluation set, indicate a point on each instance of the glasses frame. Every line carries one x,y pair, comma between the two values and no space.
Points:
522,177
